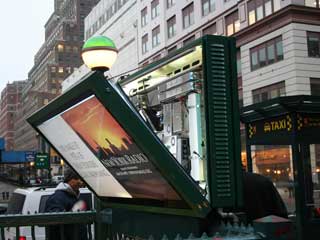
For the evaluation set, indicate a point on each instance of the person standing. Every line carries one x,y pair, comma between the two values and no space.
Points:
261,197
65,199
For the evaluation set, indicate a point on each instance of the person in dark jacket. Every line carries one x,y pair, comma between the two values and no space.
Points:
64,199
261,197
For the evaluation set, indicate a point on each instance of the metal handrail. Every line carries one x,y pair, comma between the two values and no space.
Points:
44,220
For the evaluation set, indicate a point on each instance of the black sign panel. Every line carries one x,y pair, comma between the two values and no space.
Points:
280,130
273,130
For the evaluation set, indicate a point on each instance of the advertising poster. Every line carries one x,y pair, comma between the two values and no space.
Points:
98,144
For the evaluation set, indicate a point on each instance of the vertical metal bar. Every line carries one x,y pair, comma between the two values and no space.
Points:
61,229
33,233
76,232
89,231
248,150
298,178
2,233
17,233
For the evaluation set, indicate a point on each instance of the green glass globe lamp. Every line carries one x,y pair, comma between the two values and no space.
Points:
99,53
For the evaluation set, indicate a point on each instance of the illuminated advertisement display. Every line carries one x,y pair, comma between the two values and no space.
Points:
104,154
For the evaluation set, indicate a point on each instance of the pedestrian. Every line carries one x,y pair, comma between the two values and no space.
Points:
261,197
64,199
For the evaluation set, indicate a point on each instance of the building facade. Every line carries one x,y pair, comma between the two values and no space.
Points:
56,59
9,103
116,19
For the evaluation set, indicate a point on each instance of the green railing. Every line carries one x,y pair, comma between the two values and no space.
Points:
30,223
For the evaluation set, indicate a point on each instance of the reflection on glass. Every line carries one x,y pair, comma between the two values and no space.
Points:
276,163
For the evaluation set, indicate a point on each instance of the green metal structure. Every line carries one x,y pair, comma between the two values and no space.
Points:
294,121
184,208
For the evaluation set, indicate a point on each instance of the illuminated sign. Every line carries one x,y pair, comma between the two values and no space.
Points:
279,130
103,153
104,139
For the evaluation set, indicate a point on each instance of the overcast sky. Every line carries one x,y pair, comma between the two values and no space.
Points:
22,34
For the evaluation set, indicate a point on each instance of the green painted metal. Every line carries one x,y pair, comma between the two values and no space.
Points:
279,106
95,83
222,115
98,42
299,137
45,219
222,118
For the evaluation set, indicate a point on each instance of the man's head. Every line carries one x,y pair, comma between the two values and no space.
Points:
72,179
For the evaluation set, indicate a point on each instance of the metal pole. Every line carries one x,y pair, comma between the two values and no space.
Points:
248,150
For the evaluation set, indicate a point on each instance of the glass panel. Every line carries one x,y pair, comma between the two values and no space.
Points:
230,29
275,162
254,60
259,13
276,5
191,16
311,3
211,30
252,17
262,57
271,55
279,50
205,7
315,86
185,21
314,45
16,203
212,5
268,8
237,25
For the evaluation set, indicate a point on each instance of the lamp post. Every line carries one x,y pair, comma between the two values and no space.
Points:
99,53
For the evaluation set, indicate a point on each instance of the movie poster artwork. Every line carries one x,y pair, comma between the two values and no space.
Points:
117,151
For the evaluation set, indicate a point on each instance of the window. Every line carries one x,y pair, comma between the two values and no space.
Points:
188,16
16,203
144,14
258,9
239,72
154,9
312,3
60,70
266,53
170,50
208,6
156,36
269,92
232,23
60,48
313,39
170,3
145,44
188,40
315,86
211,30
171,27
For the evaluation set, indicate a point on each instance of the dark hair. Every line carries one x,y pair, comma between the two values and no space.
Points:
70,174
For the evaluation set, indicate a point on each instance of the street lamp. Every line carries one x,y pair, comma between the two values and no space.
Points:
99,53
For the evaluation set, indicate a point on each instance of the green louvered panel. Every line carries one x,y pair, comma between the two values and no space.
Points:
221,135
